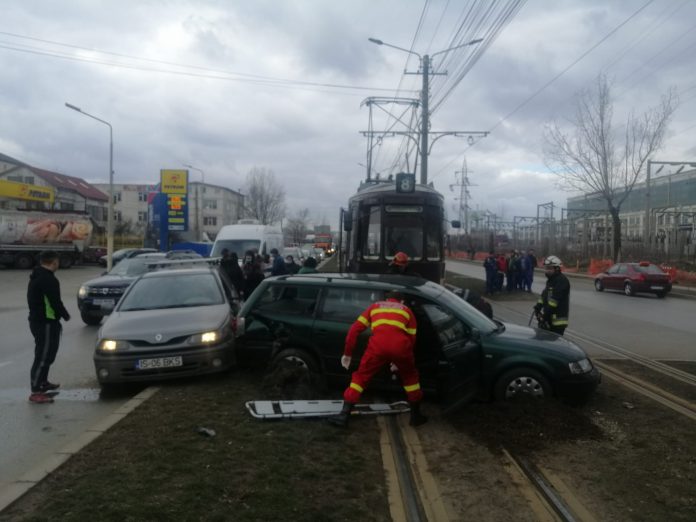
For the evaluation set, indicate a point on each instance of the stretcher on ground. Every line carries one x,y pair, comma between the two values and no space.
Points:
319,408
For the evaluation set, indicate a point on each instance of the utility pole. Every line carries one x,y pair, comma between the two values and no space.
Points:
425,71
425,119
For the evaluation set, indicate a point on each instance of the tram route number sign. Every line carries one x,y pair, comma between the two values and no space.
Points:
405,182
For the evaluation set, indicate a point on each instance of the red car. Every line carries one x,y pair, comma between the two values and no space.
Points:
634,277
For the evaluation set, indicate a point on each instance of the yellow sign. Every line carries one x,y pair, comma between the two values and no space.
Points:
13,189
174,181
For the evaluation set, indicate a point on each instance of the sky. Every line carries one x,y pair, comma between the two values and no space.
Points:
229,85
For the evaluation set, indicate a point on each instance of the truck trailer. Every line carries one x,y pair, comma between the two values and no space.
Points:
24,234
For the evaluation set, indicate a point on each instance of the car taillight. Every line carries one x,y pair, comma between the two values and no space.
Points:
238,326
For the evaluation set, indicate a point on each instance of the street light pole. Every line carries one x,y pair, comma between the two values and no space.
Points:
425,61
198,202
110,214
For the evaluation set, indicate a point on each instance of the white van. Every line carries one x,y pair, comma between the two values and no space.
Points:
247,236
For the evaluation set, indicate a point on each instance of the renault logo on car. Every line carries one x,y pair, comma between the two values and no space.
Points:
158,337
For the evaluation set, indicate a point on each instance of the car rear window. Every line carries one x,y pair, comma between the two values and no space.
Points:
288,299
346,304
650,269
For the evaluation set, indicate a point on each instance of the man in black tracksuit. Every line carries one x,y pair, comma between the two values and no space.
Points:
554,303
45,311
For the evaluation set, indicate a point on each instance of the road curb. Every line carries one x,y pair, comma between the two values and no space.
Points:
15,490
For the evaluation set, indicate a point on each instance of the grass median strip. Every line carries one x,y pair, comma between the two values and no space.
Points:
155,465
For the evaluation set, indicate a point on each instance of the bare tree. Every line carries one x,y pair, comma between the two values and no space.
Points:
588,157
296,227
265,197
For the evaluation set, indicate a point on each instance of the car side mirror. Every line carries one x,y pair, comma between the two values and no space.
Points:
475,335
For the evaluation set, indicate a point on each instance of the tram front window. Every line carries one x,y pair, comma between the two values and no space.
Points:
371,227
433,240
404,234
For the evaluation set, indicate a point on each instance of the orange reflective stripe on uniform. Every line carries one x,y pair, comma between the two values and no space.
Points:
412,387
356,387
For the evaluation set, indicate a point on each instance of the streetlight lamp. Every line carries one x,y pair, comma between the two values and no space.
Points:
425,68
110,214
198,203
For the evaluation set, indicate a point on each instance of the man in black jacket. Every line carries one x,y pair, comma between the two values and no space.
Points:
45,311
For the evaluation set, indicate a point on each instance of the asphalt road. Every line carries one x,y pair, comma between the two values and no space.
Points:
663,329
30,432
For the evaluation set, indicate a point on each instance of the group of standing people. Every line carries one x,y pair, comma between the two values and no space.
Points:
514,272
254,268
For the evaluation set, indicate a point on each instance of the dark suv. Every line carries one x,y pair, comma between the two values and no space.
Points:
461,354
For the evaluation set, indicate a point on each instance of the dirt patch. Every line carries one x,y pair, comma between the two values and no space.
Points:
625,457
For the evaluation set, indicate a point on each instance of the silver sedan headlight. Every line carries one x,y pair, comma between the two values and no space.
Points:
111,345
579,367
211,337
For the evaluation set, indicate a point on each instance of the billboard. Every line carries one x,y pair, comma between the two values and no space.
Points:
25,191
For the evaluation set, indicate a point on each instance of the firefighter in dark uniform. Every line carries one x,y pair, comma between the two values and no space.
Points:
553,306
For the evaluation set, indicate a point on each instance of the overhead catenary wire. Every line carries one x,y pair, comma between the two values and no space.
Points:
479,18
186,69
547,84
417,32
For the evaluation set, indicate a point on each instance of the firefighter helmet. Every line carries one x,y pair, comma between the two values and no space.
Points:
400,259
552,262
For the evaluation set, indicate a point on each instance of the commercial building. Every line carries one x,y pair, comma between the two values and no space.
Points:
25,187
210,207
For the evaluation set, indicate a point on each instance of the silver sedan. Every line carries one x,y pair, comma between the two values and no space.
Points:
169,323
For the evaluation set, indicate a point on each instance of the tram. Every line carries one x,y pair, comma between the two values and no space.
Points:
389,216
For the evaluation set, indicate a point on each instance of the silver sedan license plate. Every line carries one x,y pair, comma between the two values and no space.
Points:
159,362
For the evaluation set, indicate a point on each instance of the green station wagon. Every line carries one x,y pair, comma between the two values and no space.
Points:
461,354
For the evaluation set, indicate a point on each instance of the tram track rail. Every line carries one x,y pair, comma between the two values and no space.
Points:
414,495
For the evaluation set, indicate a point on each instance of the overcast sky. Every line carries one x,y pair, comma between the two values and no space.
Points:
227,85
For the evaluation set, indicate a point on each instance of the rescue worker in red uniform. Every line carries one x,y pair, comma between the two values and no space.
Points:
392,342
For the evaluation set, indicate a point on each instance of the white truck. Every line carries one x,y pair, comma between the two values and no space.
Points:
247,236
25,234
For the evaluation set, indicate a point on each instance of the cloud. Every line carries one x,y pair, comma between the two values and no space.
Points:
165,115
